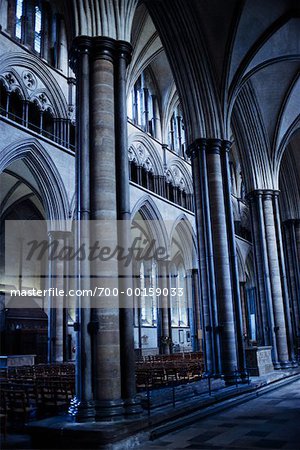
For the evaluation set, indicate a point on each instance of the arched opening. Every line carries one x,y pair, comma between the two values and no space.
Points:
48,124
24,319
145,270
34,117
16,107
3,99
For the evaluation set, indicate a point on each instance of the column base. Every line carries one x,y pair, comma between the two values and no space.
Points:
230,378
109,410
133,407
82,411
276,365
286,364
244,376
295,363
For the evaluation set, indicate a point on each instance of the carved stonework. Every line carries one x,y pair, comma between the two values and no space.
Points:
29,80
141,156
175,176
10,79
71,113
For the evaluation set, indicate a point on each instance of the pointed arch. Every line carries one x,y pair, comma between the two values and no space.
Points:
42,167
185,231
139,139
150,213
29,62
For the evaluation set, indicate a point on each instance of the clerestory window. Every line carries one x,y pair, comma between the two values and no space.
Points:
19,18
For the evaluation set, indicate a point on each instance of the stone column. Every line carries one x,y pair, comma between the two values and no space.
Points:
205,255
291,256
275,279
198,313
82,406
123,57
261,268
233,259
104,271
212,232
297,233
165,307
221,260
56,305
285,292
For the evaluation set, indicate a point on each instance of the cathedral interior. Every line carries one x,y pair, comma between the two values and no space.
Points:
169,129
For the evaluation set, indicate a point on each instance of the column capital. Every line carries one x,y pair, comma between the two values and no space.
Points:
100,47
124,50
195,147
226,146
214,146
267,194
252,195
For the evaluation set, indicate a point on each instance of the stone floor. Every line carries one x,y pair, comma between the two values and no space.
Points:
272,421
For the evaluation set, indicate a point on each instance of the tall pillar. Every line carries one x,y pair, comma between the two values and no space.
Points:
205,257
261,268
132,406
275,279
56,305
297,235
221,259
82,406
209,199
233,259
165,308
106,364
198,312
292,264
285,292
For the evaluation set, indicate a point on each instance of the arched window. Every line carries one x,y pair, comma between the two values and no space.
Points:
179,302
142,106
148,300
37,29
177,133
19,19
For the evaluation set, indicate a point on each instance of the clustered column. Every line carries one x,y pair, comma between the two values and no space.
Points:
100,65
272,285
216,269
292,246
56,303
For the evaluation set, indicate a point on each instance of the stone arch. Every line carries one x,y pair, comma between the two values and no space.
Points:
150,212
42,167
139,139
30,63
187,177
187,239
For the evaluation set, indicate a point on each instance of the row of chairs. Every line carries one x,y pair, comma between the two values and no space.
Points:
39,398
39,370
171,357
167,375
